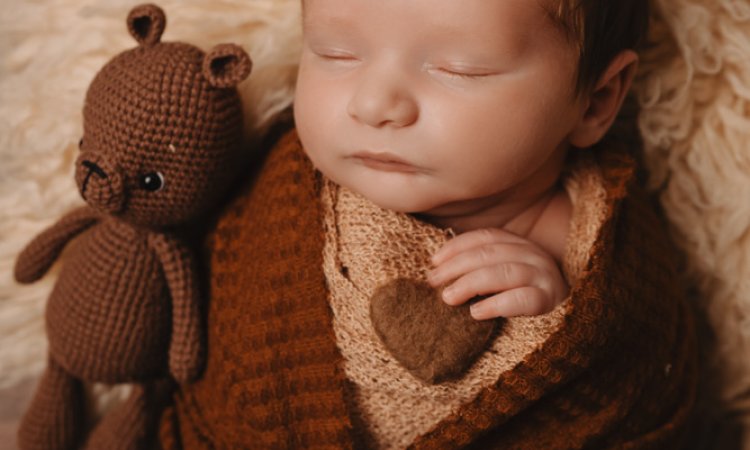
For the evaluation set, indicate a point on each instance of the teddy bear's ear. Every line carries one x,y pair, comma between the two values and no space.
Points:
226,65
146,24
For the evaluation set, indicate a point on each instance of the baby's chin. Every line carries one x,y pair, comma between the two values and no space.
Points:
390,191
400,202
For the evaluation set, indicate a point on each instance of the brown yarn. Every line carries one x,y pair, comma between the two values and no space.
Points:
273,377
146,23
226,65
160,141
617,369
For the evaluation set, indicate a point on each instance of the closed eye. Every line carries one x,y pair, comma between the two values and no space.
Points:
336,56
461,74
468,73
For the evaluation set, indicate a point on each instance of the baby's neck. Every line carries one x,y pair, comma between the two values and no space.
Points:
542,218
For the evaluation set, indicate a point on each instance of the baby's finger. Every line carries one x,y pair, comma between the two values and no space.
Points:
472,239
523,301
483,256
488,280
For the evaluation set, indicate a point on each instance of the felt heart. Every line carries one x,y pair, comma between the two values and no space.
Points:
431,339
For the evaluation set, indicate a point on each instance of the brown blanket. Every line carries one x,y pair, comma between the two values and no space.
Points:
614,366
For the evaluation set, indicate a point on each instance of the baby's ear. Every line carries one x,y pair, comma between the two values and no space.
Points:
146,24
226,65
604,101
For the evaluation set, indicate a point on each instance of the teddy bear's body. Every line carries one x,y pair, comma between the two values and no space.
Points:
127,295
162,132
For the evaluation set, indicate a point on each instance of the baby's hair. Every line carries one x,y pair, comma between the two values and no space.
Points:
600,29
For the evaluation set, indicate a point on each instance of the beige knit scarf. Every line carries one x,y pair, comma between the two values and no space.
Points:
367,246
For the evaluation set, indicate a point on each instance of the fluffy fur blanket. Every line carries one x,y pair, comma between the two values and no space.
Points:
694,91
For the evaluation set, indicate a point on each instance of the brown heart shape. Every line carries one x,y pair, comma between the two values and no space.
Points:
431,339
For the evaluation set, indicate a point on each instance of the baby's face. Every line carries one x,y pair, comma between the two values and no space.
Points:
440,107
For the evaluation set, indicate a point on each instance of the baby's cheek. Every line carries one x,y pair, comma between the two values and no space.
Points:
314,114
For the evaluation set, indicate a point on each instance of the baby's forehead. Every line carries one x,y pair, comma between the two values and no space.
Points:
489,17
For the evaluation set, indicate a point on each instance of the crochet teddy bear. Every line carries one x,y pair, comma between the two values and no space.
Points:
162,131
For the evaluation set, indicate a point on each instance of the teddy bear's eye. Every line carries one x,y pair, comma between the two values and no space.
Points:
80,143
152,181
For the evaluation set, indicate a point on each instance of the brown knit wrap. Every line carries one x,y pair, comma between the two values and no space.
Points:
619,372
268,294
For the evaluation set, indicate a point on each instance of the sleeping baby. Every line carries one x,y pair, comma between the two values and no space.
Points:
448,250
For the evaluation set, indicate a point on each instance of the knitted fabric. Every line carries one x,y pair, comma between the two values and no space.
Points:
153,108
382,259
375,246
161,132
273,377
618,371
61,410
110,287
134,423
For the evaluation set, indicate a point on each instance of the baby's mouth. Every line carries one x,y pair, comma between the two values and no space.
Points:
386,162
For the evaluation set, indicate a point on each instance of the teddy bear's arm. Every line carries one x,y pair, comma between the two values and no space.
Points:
186,344
39,254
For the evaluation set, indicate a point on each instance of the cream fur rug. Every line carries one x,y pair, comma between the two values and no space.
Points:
694,90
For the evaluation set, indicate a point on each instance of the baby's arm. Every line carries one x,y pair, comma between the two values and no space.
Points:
524,279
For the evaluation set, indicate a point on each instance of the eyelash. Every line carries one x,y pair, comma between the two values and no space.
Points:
448,72
454,74
336,57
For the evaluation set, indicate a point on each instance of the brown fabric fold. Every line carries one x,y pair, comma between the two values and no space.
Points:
619,370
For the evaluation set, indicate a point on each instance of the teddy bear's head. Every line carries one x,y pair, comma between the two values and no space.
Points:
162,127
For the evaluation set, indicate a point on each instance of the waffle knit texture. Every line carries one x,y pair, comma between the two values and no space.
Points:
366,247
160,133
617,369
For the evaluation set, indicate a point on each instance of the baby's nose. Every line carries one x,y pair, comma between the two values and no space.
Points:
382,101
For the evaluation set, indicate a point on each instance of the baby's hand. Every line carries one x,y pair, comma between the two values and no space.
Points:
526,279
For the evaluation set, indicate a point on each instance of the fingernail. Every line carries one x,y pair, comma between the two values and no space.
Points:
477,310
448,294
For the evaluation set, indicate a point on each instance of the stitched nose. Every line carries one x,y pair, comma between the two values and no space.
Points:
94,168
100,182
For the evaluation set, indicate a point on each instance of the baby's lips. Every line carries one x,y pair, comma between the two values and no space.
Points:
100,182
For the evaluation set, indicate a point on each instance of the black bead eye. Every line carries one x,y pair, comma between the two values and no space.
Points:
152,181
80,143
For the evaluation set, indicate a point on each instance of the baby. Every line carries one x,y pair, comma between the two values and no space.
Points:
463,113
476,118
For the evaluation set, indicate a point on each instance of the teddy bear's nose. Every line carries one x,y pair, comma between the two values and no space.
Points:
94,168
100,182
